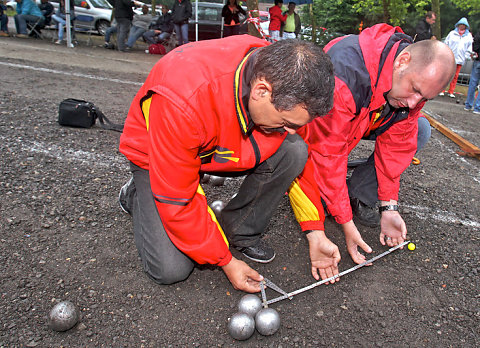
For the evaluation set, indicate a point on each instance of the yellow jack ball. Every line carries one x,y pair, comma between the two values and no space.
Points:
411,246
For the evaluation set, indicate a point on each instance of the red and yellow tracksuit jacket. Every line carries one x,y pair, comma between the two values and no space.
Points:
363,67
191,115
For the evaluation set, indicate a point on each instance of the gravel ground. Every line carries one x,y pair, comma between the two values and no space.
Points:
63,236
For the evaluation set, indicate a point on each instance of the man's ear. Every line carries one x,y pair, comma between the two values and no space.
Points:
261,89
403,60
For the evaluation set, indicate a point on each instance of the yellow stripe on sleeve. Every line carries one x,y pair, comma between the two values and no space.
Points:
212,215
303,208
146,110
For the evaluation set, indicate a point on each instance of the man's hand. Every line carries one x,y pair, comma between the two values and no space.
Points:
354,240
324,256
242,276
393,229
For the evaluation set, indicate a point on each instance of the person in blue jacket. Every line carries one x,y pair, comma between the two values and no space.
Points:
27,12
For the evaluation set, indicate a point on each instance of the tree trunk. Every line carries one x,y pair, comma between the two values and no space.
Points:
154,4
437,29
253,5
314,26
386,16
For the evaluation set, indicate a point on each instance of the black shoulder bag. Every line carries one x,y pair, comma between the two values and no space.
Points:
83,114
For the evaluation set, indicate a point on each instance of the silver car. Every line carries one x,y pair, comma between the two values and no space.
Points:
99,11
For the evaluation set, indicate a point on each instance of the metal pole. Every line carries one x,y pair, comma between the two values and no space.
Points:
68,25
196,20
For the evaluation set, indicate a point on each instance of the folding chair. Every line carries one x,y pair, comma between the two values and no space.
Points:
85,28
34,29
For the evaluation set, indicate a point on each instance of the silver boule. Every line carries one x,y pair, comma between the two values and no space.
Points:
241,326
63,316
205,179
267,321
250,304
217,180
217,207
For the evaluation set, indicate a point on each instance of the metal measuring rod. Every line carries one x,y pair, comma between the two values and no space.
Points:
296,292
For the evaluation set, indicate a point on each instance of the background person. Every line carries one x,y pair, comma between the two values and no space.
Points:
460,42
140,25
181,12
187,119
123,13
230,13
47,10
162,29
276,20
27,13
386,111
60,17
292,25
3,20
472,102
423,30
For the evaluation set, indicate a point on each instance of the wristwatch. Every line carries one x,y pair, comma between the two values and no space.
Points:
388,207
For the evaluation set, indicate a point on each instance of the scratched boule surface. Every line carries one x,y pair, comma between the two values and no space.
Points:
63,236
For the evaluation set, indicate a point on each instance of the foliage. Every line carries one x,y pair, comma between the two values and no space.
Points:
472,6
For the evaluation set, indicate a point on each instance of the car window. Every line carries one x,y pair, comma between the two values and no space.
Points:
101,4
209,14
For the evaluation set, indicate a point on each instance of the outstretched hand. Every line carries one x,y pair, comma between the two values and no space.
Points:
242,276
354,240
324,256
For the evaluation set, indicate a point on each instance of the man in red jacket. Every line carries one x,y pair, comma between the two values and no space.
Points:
382,82
219,106
276,20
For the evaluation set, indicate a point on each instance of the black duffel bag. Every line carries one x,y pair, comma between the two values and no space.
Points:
83,114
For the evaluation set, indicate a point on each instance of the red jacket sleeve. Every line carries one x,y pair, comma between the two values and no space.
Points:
174,177
394,150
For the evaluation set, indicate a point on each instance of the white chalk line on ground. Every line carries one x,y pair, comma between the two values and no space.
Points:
95,159
64,154
426,213
56,51
475,177
67,73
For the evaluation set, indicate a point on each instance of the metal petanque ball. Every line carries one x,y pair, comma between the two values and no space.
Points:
250,304
217,180
267,321
217,207
63,316
241,326
205,179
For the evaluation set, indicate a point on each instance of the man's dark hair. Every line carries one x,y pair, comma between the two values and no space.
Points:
278,2
430,14
300,74
292,3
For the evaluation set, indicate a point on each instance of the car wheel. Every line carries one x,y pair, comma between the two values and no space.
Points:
102,26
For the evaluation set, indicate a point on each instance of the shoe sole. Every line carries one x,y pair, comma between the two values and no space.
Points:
259,260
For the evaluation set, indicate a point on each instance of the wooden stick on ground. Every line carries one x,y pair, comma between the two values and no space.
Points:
467,147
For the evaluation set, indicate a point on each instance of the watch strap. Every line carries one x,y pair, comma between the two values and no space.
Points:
393,207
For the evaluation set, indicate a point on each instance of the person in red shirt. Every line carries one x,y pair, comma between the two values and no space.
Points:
228,107
276,20
382,81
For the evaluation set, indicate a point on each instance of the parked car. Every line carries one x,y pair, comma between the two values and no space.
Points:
100,10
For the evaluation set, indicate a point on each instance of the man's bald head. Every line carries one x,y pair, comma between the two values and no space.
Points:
420,72
426,53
